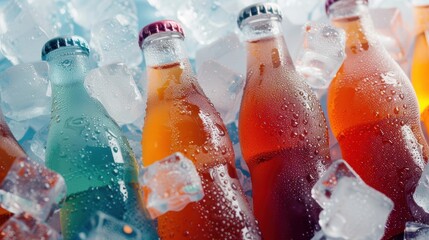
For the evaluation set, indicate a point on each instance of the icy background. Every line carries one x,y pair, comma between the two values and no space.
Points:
214,44
119,80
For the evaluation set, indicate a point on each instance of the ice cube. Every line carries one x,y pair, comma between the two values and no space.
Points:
351,209
323,189
18,129
320,235
55,15
88,13
102,226
170,184
133,133
223,87
31,187
392,32
405,7
38,143
25,226
22,33
114,86
114,40
23,91
206,19
321,55
166,8
228,51
293,36
416,231
297,11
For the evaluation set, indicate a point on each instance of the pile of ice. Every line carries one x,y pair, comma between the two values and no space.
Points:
118,79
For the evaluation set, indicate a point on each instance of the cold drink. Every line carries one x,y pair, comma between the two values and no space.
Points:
87,148
180,118
282,129
374,114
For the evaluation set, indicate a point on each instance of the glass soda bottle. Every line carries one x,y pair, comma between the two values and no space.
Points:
9,151
420,64
180,118
282,130
86,147
374,115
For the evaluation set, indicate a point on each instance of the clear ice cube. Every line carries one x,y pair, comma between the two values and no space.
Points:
22,32
416,231
25,226
351,209
18,129
297,11
321,55
38,143
102,226
114,40
392,32
228,51
170,184
31,187
223,87
322,191
114,86
320,235
206,19
23,91
88,13
293,36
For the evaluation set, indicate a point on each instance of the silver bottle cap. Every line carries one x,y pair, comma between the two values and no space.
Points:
65,41
258,9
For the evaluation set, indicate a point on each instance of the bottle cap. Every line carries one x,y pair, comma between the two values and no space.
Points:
258,9
328,3
159,27
65,41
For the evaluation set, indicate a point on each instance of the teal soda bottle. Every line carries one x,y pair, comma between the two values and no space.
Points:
86,147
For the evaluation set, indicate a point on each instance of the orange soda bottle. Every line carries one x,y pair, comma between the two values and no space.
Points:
282,130
374,115
180,118
9,151
420,65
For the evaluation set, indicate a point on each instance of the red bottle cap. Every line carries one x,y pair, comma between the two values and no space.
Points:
159,27
330,2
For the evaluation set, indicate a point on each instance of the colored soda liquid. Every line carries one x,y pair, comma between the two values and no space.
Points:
374,114
80,207
420,66
284,140
181,118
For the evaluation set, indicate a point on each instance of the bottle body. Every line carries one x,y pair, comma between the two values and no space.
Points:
420,64
284,141
87,148
374,115
180,118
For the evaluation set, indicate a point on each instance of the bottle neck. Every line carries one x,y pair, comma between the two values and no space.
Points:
421,16
353,16
164,49
67,67
266,44
67,71
256,29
